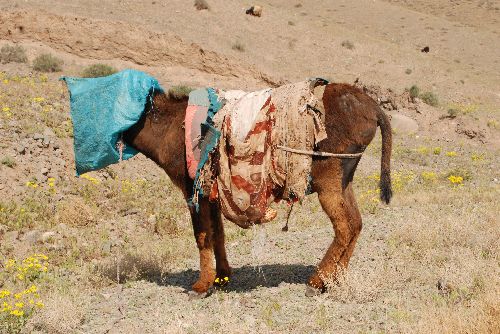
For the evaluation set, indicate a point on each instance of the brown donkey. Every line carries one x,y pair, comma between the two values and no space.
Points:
351,121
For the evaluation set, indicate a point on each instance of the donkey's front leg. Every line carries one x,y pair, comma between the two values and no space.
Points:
204,235
221,263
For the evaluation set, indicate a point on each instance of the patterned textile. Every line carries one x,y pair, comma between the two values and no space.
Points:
245,170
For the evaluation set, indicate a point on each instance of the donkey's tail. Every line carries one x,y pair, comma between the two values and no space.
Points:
385,170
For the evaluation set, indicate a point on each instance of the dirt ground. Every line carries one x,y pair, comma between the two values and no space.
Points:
119,244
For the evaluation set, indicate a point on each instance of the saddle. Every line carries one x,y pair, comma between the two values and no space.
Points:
234,142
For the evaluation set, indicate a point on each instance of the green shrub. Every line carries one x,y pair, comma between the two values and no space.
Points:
98,70
47,63
238,46
430,98
13,54
348,44
179,92
201,4
8,161
414,91
452,112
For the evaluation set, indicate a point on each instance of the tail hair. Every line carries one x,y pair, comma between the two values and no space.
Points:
385,169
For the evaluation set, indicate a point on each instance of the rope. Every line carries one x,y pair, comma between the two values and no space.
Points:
321,154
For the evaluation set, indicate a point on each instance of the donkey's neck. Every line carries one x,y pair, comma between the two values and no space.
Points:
159,135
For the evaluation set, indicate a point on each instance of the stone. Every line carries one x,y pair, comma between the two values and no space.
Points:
106,247
32,236
44,171
20,148
47,236
48,132
402,123
11,236
37,136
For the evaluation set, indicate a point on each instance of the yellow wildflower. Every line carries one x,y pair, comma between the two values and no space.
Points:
5,109
455,179
477,156
17,313
38,99
4,293
451,154
31,301
90,178
18,295
39,304
32,184
19,305
10,263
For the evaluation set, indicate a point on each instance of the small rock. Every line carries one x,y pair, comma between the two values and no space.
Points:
32,236
55,145
106,247
384,99
37,136
44,171
20,148
48,132
47,236
11,236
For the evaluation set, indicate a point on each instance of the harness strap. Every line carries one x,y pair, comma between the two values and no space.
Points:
321,154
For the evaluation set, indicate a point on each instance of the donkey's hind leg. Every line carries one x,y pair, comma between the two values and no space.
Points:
346,222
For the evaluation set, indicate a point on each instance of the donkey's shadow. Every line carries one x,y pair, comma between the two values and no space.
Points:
247,278
243,279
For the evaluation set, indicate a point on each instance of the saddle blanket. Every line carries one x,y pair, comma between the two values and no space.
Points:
232,141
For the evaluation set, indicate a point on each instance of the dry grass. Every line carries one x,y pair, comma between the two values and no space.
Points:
98,70
13,54
238,46
75,212
179,92
123,253
348,44
47,63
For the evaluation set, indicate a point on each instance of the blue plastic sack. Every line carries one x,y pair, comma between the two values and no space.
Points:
101,110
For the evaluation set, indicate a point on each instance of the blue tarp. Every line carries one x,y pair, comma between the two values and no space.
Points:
101,110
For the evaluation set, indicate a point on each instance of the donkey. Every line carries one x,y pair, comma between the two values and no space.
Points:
351,120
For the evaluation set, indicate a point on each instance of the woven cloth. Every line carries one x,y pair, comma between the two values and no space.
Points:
246,171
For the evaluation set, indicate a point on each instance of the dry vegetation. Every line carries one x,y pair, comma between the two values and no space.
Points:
113,251
47,63
120,242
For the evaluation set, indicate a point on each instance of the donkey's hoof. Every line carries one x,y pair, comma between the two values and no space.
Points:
311,292
193,295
